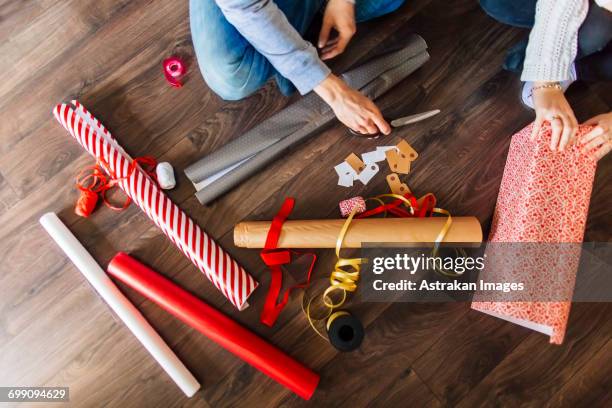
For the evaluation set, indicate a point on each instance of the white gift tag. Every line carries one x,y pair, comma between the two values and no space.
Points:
366,174
385,148
377,155
373,157
346,174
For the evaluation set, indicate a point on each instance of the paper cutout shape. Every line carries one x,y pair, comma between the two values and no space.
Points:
377,155
406,149
368,173
398,162
346,174
355,162
396,186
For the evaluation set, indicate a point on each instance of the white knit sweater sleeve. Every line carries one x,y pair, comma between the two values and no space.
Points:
553,41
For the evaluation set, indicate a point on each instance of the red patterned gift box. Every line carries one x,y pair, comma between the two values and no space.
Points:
544,198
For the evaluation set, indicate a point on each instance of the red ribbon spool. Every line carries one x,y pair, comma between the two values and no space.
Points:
96,183
174,69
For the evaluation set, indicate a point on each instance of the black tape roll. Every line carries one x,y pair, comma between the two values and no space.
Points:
345,331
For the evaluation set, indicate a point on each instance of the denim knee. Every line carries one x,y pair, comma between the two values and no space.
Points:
518,13
596,32
228,93
230,65
233,80
370,9
230,88
590,45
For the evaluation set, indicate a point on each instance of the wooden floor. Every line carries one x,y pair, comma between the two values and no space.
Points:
55,331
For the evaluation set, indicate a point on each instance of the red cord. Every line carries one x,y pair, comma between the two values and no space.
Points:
96,183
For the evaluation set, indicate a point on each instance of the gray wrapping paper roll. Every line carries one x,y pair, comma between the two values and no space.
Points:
306,117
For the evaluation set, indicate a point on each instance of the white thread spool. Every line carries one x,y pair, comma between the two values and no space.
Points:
165,175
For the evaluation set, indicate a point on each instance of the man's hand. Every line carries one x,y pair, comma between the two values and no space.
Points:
339,15
598,142
551,106
351,107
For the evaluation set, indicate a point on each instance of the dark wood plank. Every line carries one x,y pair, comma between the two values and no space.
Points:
408,330
407,387
108,54
467,353
591,386
535,371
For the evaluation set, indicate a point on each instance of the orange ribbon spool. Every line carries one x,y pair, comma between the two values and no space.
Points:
94,185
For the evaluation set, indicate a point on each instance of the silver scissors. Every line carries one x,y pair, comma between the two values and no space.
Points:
399,122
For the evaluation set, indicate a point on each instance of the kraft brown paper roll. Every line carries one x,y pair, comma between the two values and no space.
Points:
324,233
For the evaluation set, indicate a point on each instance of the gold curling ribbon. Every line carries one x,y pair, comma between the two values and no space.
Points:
334,316
440,238
346,272
306,308
343,279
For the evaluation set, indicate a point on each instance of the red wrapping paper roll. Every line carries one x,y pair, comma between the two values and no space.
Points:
215,325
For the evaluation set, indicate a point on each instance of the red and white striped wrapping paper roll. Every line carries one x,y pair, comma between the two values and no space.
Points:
223,271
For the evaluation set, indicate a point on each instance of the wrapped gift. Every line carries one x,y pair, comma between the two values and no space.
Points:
223,271
543,200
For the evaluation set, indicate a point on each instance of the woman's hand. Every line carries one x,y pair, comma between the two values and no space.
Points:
598,142
551,106
339,15
351,107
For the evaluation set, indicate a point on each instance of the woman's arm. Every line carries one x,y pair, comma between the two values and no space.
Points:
551,51
266,27
553,41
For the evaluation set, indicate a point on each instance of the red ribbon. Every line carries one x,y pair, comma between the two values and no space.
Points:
174,69
394,207
274,258
97,183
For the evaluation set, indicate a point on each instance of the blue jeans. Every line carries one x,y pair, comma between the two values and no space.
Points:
594,58
231,67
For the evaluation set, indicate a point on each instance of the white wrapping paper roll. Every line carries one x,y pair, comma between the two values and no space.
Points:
126,311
